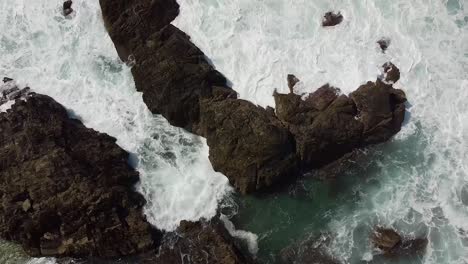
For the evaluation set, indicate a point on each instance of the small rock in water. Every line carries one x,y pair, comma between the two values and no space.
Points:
67,9
385,238
292,81
384,43
6,79
391,72
332,19
394,245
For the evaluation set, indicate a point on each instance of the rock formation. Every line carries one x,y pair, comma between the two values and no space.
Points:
247,143
292,81
254,147
67,7
327,125
331,19
393,245
67,191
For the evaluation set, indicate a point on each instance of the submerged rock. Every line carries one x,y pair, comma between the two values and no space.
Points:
384,43
66,190
393,245
332,19
310,251
67,7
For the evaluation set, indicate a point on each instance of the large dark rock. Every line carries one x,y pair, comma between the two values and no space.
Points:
131,22
247,143
254,147
66,190
168,68
327,125
173,75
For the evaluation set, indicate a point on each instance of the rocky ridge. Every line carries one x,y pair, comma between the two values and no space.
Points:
254,147
67,191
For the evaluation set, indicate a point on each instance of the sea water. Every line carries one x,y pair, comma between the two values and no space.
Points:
417,182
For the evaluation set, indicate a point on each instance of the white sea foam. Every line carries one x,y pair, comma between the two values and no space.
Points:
74,61
257,43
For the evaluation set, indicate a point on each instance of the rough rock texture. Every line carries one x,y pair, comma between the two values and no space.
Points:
247,143
331,19
168,68
394,245
254,147
66,190
327,125
67,7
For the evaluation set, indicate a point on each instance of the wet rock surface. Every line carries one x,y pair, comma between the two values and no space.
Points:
331,19
247,143
66,190
254,147
327,125
393,245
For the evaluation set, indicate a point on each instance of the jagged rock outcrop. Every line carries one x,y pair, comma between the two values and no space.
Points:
247,143
327,125
331,19
254,147
66,190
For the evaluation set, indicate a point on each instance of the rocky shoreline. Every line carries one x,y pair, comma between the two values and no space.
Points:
254,147
68,191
